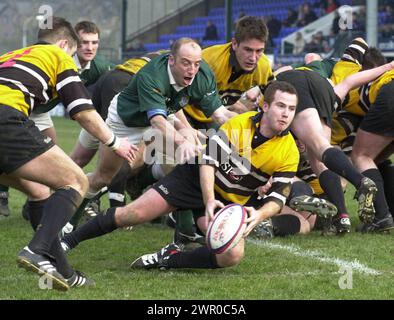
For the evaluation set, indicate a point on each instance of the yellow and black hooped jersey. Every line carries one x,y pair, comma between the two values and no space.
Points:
34,75
370,91
350,63
244,165
133,65
231,84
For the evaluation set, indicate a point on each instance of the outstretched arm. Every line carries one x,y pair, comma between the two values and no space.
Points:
360,78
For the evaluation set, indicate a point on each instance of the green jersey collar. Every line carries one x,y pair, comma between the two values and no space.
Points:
78,64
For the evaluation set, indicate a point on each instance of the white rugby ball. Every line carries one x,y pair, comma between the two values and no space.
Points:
227,228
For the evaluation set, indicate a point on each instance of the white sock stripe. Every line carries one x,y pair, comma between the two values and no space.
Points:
116,196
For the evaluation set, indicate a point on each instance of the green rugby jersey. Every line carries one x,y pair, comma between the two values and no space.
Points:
150,93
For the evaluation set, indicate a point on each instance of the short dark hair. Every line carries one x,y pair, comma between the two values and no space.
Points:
87,27
373,58
249,27
61,29
273,86
179,42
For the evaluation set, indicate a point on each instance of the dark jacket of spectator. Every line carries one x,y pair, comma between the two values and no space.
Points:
211,32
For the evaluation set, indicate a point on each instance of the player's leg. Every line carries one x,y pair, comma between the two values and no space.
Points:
308,127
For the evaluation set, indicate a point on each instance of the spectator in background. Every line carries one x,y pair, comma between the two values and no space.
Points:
359,20
306,15
299,43
331,5
211,32
388,15
291,18
315,45
387,31
274,26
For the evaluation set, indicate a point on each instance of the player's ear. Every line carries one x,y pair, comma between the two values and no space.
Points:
62,44
265,106
171,59
234,44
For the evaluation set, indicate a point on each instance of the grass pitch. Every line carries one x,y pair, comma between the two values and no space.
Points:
354,266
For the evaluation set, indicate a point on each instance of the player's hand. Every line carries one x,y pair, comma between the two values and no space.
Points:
222,114
262,190
252,220
210,208
193,135
126,150
187,151
253,95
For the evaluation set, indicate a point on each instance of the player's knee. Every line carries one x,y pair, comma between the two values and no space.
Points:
232,257
130,215
305,227
78,181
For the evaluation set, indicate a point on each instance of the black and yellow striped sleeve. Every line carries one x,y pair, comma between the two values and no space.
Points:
355,52
280,189
218,149
71,91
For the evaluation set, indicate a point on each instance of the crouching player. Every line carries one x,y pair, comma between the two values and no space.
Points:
243,155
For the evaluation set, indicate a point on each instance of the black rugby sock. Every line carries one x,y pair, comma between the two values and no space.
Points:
331,184
57,211
200,258
35,210
386,169
335,160
100,225
380,203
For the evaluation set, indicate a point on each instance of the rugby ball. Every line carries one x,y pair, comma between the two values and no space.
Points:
227,228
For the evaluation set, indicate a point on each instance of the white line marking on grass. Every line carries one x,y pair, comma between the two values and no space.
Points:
305,253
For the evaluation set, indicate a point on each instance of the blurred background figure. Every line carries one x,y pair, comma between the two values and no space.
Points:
211,32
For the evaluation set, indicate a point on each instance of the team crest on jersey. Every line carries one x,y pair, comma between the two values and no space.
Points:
286,191
184,101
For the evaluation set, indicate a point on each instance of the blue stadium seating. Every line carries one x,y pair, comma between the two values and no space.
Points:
277,8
